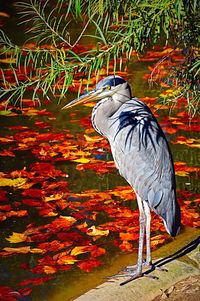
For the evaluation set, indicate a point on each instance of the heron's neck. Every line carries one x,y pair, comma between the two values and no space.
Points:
104,109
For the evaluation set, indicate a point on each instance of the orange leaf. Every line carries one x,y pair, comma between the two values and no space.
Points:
63,222
129,236
169,130
49,269
17,213
4,14
126,246
20,250
6,139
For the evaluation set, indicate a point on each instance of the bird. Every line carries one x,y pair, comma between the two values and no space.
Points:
141,154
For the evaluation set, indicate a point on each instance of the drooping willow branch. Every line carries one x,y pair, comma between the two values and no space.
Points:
118,27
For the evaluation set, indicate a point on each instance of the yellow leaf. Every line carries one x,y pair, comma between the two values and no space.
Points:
163,95
68,259
54,197
182,173
79,250
195,145
108,202
93,139
16,237
36,250
8,60
53,154
157,240
30,112
82,160
12,182
93,231
168,50
68,218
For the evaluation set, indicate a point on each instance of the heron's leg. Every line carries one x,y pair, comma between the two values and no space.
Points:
142,221
148,234
148,242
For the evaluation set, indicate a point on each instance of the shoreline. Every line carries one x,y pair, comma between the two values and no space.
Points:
187,266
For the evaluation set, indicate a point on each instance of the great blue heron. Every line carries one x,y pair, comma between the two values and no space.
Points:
141,154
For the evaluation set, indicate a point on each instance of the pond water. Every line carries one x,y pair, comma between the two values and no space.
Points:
29,145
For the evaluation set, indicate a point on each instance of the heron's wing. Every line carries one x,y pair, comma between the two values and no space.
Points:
141,153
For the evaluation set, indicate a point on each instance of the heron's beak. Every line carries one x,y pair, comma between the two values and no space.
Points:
91,96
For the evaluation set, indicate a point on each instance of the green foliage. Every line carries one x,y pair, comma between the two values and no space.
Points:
117,27
187,78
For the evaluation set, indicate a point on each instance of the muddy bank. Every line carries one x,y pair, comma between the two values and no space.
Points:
182,276
186,290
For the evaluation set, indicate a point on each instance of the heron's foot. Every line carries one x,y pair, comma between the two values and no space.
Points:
145,265
153,267
137,275
131,272
128,271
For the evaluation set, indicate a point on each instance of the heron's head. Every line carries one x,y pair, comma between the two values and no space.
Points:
114,87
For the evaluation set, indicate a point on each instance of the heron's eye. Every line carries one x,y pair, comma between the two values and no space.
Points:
108,87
